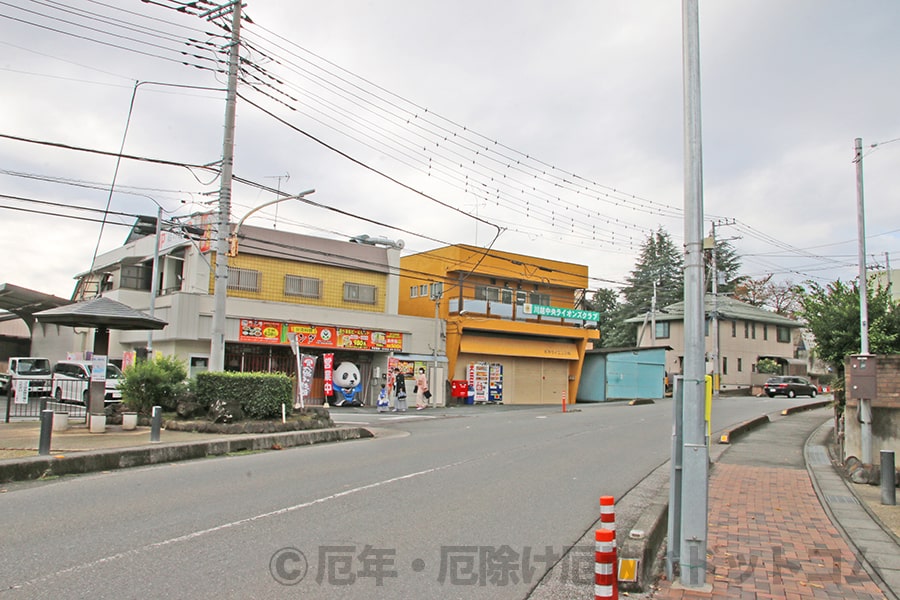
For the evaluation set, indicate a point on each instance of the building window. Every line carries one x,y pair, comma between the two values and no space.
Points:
724,365
734,328
765,332
506,296
136,277
706,327
753,330
662,330
783,334
245,280
746,329
740,365
541,299
437,290
521,297
307,287
357,292
485,292
423,290
413,291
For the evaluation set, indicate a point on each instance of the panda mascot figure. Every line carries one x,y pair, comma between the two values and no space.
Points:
348,385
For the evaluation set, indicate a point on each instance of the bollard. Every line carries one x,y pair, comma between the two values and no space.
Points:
888,478
608,514
46,429
155,423
564,402
606,586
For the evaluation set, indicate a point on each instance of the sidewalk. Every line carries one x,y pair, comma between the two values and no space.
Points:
783,522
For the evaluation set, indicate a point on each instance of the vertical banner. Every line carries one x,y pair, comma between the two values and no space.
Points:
307,369
328,363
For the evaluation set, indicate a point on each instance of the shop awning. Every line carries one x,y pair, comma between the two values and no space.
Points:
510,346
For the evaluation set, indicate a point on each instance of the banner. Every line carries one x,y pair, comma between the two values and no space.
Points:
260,332
328,363
307,369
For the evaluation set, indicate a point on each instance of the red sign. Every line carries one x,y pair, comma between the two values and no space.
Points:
328,363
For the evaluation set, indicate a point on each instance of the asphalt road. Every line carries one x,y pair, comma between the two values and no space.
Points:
454,507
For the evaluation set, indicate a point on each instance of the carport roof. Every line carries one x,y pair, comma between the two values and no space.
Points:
102,313
23,302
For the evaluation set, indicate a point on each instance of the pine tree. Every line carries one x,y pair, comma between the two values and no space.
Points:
661,261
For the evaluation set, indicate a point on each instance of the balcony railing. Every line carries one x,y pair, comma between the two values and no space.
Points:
508,312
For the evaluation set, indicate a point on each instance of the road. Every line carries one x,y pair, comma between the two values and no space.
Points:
476,506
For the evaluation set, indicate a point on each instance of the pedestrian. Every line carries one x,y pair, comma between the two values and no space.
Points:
421,389
383,399
399,391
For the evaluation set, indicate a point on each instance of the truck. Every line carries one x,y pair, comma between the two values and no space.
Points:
31,373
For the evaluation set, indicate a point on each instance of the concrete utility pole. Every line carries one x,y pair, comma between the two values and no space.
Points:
217,341
695,455
865,405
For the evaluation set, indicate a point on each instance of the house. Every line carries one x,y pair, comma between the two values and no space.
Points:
746,335
514,331
336,298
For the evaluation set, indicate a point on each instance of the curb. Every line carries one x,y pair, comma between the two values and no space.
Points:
812,406
743,428
37,467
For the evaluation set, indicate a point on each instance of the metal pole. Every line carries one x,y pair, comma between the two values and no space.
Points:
888,478
153,280
695,458
714,315
434,351
865,408
217,341
155,423
675,475
46,432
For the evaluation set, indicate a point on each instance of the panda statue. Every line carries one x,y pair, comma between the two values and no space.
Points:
348,385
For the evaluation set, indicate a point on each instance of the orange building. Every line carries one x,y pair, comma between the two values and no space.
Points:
512,324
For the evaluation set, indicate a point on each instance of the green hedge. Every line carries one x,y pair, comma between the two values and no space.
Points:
260,394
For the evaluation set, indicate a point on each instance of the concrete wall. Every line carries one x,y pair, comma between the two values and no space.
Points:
885,411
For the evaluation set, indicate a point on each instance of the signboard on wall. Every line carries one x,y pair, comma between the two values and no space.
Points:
319,336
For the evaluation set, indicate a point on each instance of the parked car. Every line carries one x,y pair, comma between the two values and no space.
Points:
789,386
71,381
34,370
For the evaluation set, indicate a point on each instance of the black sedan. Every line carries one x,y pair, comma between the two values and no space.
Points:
789,386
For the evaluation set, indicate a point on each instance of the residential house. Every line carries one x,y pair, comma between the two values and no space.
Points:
514,330
746,335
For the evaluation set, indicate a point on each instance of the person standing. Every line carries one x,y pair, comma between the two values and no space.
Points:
421,388
399,391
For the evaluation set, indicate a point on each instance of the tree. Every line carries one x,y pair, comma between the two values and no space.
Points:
661,262
832,315
783,298
728,264
614,331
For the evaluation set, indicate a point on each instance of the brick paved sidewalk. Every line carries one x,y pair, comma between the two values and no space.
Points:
769,537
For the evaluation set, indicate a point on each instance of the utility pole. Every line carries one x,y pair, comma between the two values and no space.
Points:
154,279
695,453
653,316
865,405
714,315
217,337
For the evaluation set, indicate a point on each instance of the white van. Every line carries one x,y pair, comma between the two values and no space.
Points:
34,370
72,378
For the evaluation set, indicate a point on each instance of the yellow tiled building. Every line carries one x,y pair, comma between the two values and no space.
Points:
513,331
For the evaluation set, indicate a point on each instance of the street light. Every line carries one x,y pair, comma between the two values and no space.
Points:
223,250
233,240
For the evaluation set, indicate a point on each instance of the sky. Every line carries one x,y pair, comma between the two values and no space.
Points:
547,129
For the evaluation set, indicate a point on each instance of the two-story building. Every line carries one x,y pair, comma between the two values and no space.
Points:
514,329
334,297
746,334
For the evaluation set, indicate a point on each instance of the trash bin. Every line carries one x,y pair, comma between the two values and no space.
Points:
459,389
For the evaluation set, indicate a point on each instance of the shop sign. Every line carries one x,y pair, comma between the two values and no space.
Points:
563,313
260,332
313,335
328,363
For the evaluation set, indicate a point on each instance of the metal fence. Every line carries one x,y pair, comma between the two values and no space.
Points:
58,396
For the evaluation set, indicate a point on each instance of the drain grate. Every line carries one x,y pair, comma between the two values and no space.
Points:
835,499
817,455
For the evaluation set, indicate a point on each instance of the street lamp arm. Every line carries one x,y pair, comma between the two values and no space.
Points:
237,228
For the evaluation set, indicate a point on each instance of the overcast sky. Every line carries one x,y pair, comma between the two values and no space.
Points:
558,125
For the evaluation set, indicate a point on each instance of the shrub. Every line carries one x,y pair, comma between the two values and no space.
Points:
260,394
158,382
768,365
